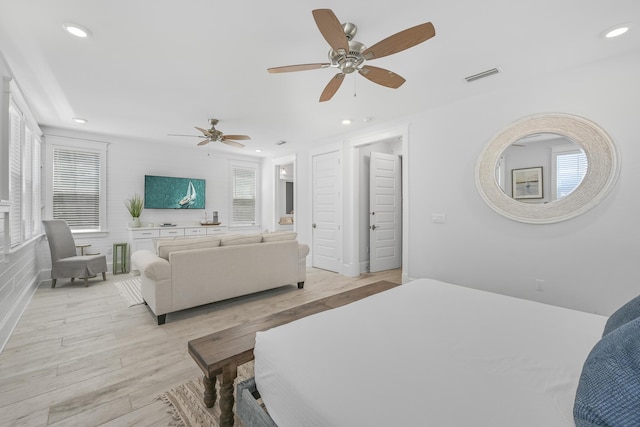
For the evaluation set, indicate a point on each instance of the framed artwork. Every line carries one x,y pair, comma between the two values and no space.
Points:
527,183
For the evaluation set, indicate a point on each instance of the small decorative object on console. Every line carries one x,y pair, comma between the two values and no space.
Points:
214,219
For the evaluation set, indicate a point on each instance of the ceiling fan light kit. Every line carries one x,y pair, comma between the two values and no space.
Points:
349,55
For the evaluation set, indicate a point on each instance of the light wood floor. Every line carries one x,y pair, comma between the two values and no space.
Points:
81,357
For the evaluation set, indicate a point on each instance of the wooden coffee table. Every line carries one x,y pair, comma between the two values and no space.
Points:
219,354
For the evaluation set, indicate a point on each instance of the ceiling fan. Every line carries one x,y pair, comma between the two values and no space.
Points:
348,55
213,134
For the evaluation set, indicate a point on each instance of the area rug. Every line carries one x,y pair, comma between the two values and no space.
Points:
187,406
130,291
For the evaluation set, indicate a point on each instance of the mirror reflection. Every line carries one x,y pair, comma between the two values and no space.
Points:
540,168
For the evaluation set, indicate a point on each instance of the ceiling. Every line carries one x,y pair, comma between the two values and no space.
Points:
152,68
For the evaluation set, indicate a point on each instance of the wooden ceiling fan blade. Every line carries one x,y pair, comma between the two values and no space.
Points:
240,137
232,143
300,67
331,29
400,41
332,87
382,77
204,142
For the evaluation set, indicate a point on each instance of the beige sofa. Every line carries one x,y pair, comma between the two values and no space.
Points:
189,272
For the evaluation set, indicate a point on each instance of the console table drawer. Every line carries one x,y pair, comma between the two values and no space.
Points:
195,231
172,233
216,230
145,234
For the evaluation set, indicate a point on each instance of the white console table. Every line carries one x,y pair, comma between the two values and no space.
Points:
144,237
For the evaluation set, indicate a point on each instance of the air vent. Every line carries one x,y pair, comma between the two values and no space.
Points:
482,75
282,142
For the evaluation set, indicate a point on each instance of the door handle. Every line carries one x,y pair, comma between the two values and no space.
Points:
313,225
373,227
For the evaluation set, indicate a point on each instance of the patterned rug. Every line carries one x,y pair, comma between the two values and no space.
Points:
130,291
187,406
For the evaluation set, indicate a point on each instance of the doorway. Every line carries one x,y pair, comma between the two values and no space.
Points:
380,205
285,197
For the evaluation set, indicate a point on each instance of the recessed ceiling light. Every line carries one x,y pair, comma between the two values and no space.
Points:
80,120
258,151
76,30
346,122
616,31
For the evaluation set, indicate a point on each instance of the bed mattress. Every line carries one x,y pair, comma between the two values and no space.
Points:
427,353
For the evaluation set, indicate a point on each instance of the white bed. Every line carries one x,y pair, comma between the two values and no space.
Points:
427,353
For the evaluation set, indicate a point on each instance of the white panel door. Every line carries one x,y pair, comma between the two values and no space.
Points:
327,248
385,212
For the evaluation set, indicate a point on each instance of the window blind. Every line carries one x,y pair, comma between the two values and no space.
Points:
36,201
571,169
76,188
15,175
244,196
27,181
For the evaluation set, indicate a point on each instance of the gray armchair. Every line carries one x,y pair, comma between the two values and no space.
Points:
65,263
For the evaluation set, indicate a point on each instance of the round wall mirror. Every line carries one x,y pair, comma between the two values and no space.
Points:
547,168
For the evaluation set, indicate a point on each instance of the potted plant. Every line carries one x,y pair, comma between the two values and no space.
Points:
135,205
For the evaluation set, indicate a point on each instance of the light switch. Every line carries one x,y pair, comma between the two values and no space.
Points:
438,218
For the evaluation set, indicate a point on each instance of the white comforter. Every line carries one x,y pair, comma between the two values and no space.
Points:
427,353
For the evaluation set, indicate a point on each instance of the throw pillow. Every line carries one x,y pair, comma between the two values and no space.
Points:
165,247
608,393
279,236
624,314
240,239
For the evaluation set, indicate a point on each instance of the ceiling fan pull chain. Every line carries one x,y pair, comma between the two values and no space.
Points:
354,85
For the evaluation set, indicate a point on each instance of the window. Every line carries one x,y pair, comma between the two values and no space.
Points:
77,184
570,169
244,198
24,170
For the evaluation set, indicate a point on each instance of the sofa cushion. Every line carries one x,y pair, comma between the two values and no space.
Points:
166,246
240,239
279,236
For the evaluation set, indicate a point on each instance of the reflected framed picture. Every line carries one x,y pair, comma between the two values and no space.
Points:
527,183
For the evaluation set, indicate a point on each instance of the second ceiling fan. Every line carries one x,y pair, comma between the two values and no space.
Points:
348,55
212,134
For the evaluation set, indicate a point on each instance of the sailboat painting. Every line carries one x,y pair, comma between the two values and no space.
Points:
166,192
190,198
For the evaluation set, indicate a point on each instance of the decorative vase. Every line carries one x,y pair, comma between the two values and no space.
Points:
135,223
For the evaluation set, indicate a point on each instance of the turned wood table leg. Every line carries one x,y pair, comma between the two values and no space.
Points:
209,391
228,376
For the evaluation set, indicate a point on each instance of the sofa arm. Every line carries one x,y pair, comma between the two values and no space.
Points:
303,251
151,265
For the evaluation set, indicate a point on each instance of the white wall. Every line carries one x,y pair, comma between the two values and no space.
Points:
588,263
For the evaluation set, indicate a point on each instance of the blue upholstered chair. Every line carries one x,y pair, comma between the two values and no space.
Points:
65,263
608,393
624,314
